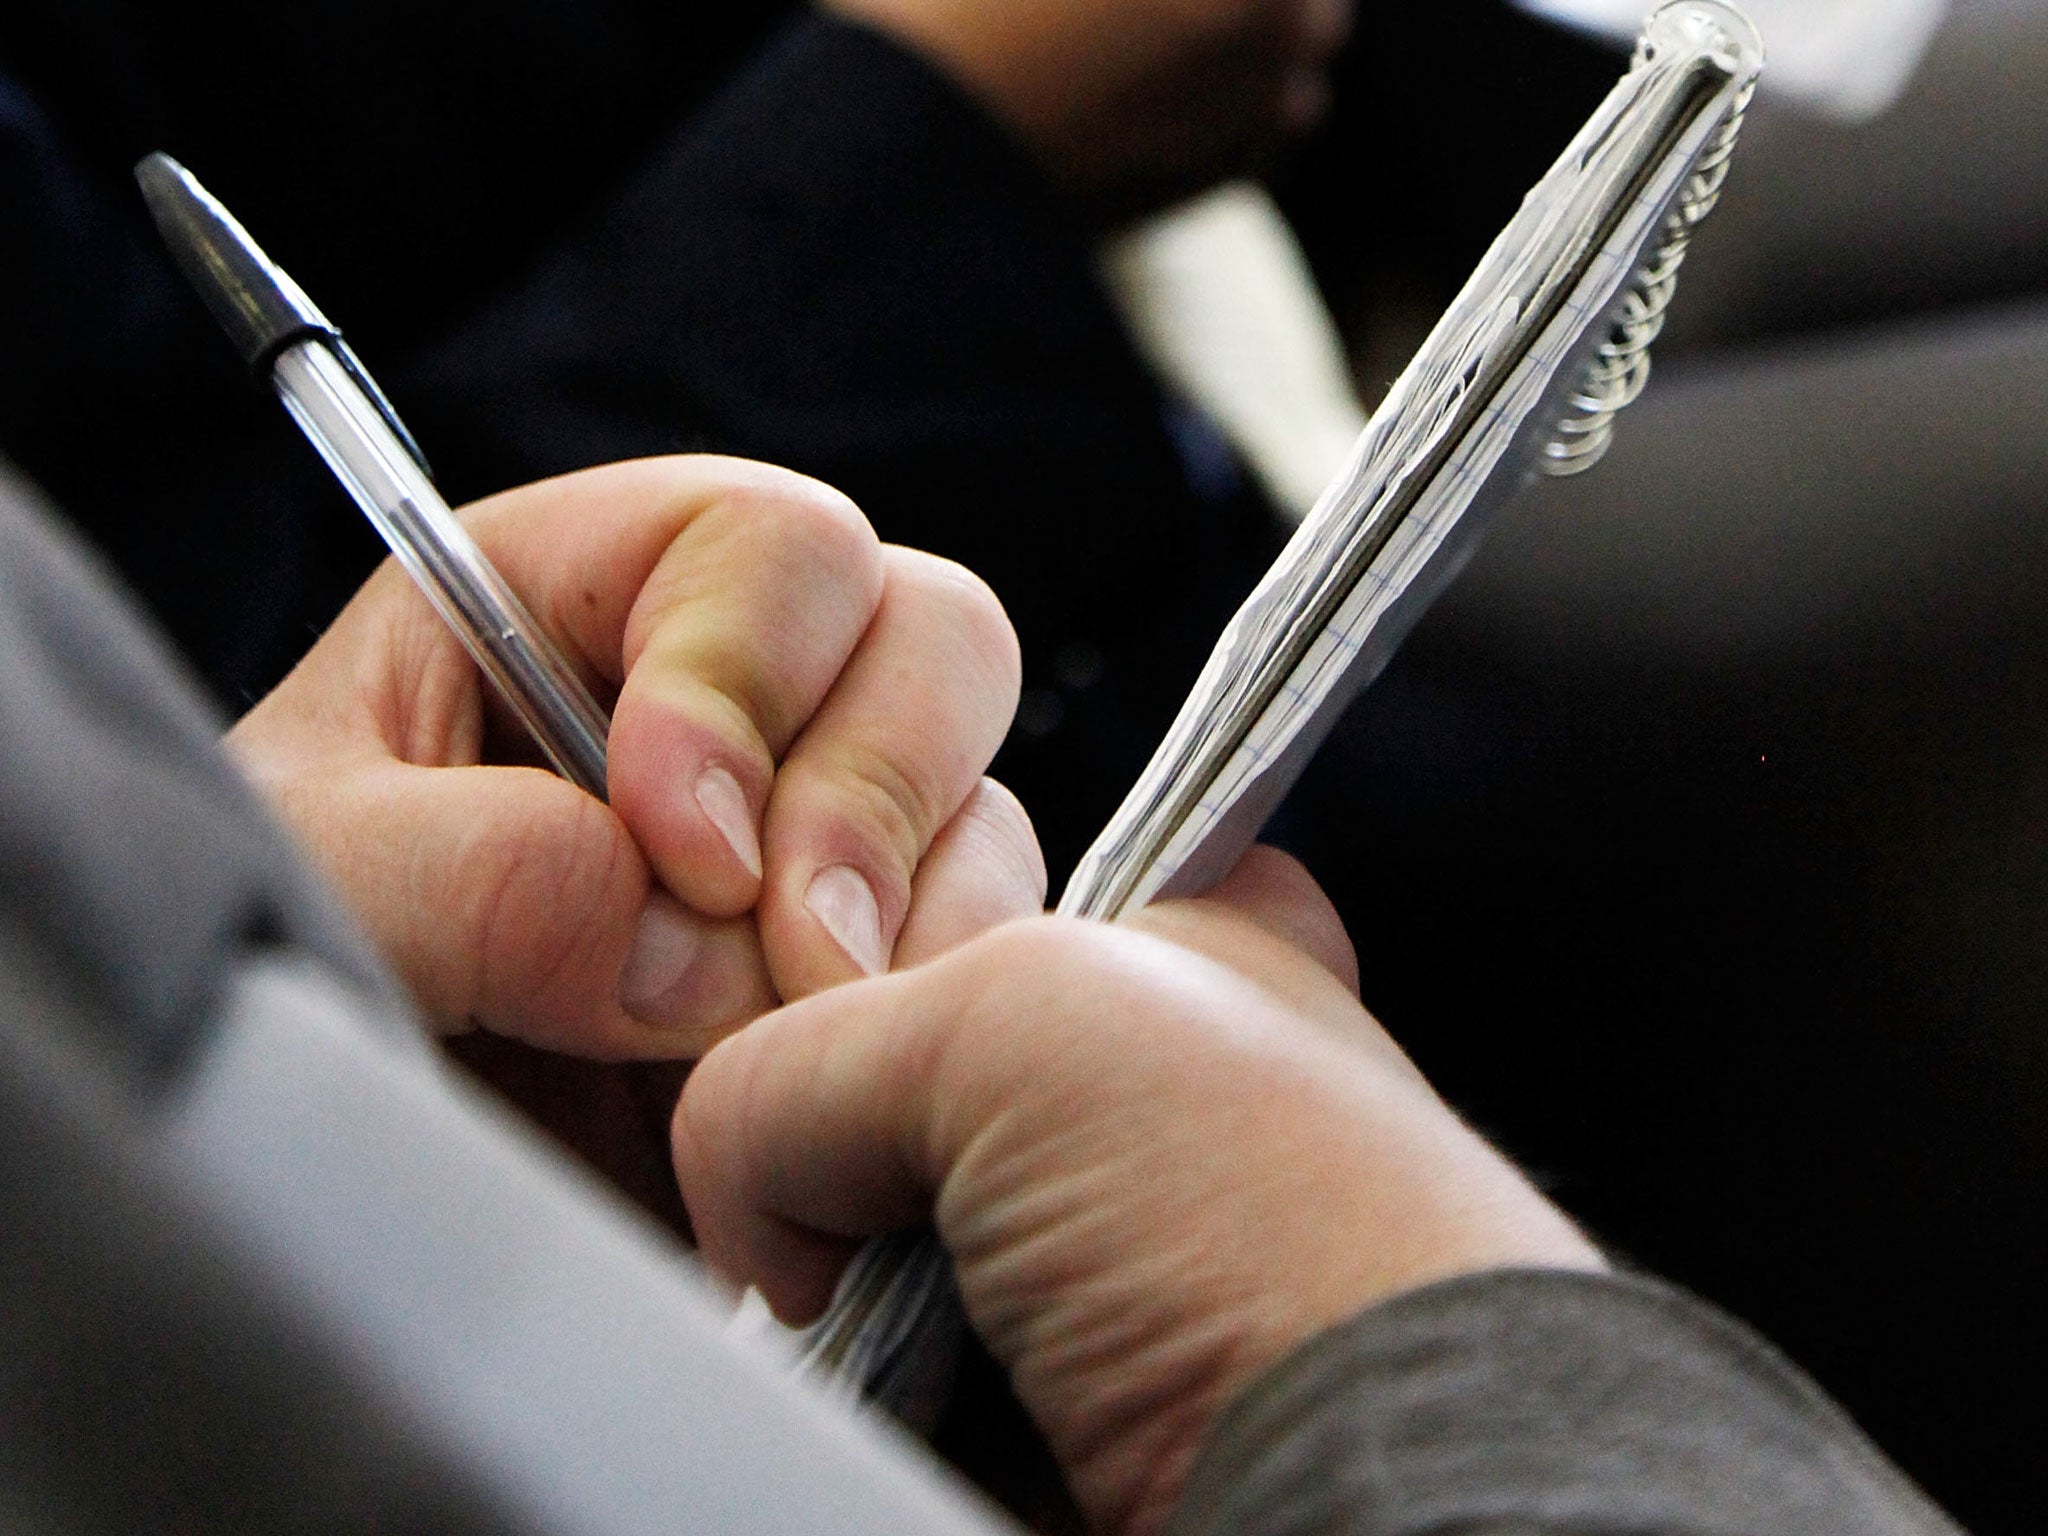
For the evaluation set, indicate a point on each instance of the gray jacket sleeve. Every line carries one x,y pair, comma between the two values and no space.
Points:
266,1266
1526,1403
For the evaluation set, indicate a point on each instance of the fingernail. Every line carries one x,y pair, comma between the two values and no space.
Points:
724,805
654,983
841,900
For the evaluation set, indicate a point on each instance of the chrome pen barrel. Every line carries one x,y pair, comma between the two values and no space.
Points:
387,482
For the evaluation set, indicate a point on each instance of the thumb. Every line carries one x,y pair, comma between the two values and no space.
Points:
509,899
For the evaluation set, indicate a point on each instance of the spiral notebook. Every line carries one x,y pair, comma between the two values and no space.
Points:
1527,370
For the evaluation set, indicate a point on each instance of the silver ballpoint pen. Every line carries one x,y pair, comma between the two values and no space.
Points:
285,339
288,342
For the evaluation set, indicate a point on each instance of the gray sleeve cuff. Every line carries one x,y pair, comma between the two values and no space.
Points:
1544,1401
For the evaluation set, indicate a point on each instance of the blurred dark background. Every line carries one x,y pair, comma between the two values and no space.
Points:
1695,843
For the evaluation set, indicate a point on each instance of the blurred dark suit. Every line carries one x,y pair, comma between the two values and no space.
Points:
564,234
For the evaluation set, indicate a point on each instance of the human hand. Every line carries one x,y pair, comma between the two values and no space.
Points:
1131,103
802,718
1162,1154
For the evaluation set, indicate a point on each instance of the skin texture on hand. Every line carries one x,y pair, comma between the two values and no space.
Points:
1130,104
1162,1154
802,719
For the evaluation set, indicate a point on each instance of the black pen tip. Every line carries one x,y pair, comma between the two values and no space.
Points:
260,308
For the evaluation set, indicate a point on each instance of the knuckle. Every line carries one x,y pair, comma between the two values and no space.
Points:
1037,947
970,607
893,804
819,522
1030,968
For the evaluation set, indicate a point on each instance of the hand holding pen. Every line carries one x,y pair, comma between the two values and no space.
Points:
802,719
778,672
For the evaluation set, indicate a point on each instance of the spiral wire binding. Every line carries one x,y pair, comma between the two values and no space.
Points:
1621,367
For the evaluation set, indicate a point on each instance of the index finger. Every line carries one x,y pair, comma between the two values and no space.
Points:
727,595
887,761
